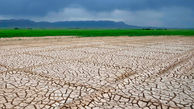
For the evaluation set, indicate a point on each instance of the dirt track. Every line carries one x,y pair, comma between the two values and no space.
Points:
109,72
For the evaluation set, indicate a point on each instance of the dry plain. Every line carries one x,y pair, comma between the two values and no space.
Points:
96,73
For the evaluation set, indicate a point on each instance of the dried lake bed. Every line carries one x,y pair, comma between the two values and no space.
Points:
97,72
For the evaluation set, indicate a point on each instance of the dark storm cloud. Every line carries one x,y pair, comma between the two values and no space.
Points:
105,5
140,12
42,7
31,7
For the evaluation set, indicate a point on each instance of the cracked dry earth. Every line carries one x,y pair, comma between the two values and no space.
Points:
97,73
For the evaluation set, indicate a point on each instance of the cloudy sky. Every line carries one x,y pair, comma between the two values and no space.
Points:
161,13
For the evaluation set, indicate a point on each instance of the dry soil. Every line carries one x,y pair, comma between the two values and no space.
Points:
99,72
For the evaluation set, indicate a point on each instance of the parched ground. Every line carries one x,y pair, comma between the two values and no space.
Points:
100,72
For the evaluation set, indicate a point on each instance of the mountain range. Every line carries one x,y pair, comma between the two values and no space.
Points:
21,23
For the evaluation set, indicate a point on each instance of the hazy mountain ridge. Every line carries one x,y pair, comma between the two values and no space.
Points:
63,24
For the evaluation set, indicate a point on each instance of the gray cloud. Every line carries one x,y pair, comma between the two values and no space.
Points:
170,13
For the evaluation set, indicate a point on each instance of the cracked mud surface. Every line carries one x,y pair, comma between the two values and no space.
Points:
97,73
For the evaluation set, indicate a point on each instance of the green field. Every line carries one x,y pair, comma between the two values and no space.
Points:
6,33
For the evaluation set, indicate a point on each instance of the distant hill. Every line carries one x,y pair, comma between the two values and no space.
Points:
64,24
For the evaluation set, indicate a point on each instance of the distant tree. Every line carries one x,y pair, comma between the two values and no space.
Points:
147,29
16,28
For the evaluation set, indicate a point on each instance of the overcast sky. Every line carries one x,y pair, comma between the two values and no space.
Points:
161,13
